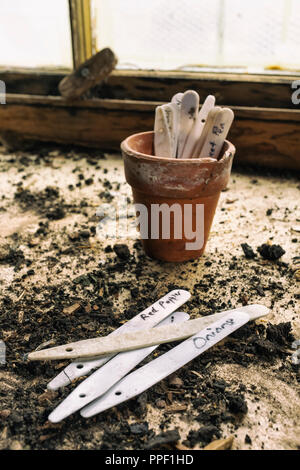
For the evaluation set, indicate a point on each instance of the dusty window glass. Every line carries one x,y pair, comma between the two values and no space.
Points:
164,34
35,33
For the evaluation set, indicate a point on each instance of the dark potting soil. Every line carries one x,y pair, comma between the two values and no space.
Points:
32,313
214,401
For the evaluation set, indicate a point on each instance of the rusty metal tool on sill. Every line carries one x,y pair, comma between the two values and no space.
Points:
89,74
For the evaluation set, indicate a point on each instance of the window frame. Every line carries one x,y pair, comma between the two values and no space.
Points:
81,30
261,100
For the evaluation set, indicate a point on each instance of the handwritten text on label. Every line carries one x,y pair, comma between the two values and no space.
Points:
162,303
201,341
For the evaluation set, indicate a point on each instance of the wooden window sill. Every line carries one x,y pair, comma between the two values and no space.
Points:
266,135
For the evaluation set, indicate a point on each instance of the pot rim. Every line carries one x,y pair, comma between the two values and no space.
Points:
125,147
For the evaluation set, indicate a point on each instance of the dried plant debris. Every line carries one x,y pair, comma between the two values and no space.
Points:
60,284
220,444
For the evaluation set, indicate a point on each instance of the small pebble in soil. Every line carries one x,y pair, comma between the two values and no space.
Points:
139,428
204,435
122,251
164,438
56,213
248,251
270,252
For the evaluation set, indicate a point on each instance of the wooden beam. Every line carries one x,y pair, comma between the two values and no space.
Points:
269,91
230,89
264,137
32,81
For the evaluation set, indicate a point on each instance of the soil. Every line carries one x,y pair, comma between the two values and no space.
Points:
61,281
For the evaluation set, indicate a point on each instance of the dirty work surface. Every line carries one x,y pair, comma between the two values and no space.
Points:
59,283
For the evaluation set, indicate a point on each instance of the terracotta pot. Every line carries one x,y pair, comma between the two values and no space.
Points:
191,184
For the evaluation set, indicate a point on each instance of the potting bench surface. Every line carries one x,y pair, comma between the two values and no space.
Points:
60,282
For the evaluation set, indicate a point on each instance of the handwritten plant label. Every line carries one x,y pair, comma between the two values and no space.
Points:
187,116
170,112
104,378
88,348
217,130
162,136
150,374
146,319
2,353
215,137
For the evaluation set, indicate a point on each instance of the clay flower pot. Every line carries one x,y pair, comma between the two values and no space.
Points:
193,185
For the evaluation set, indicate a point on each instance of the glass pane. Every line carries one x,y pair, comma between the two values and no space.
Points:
35,33
262,33
164,34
